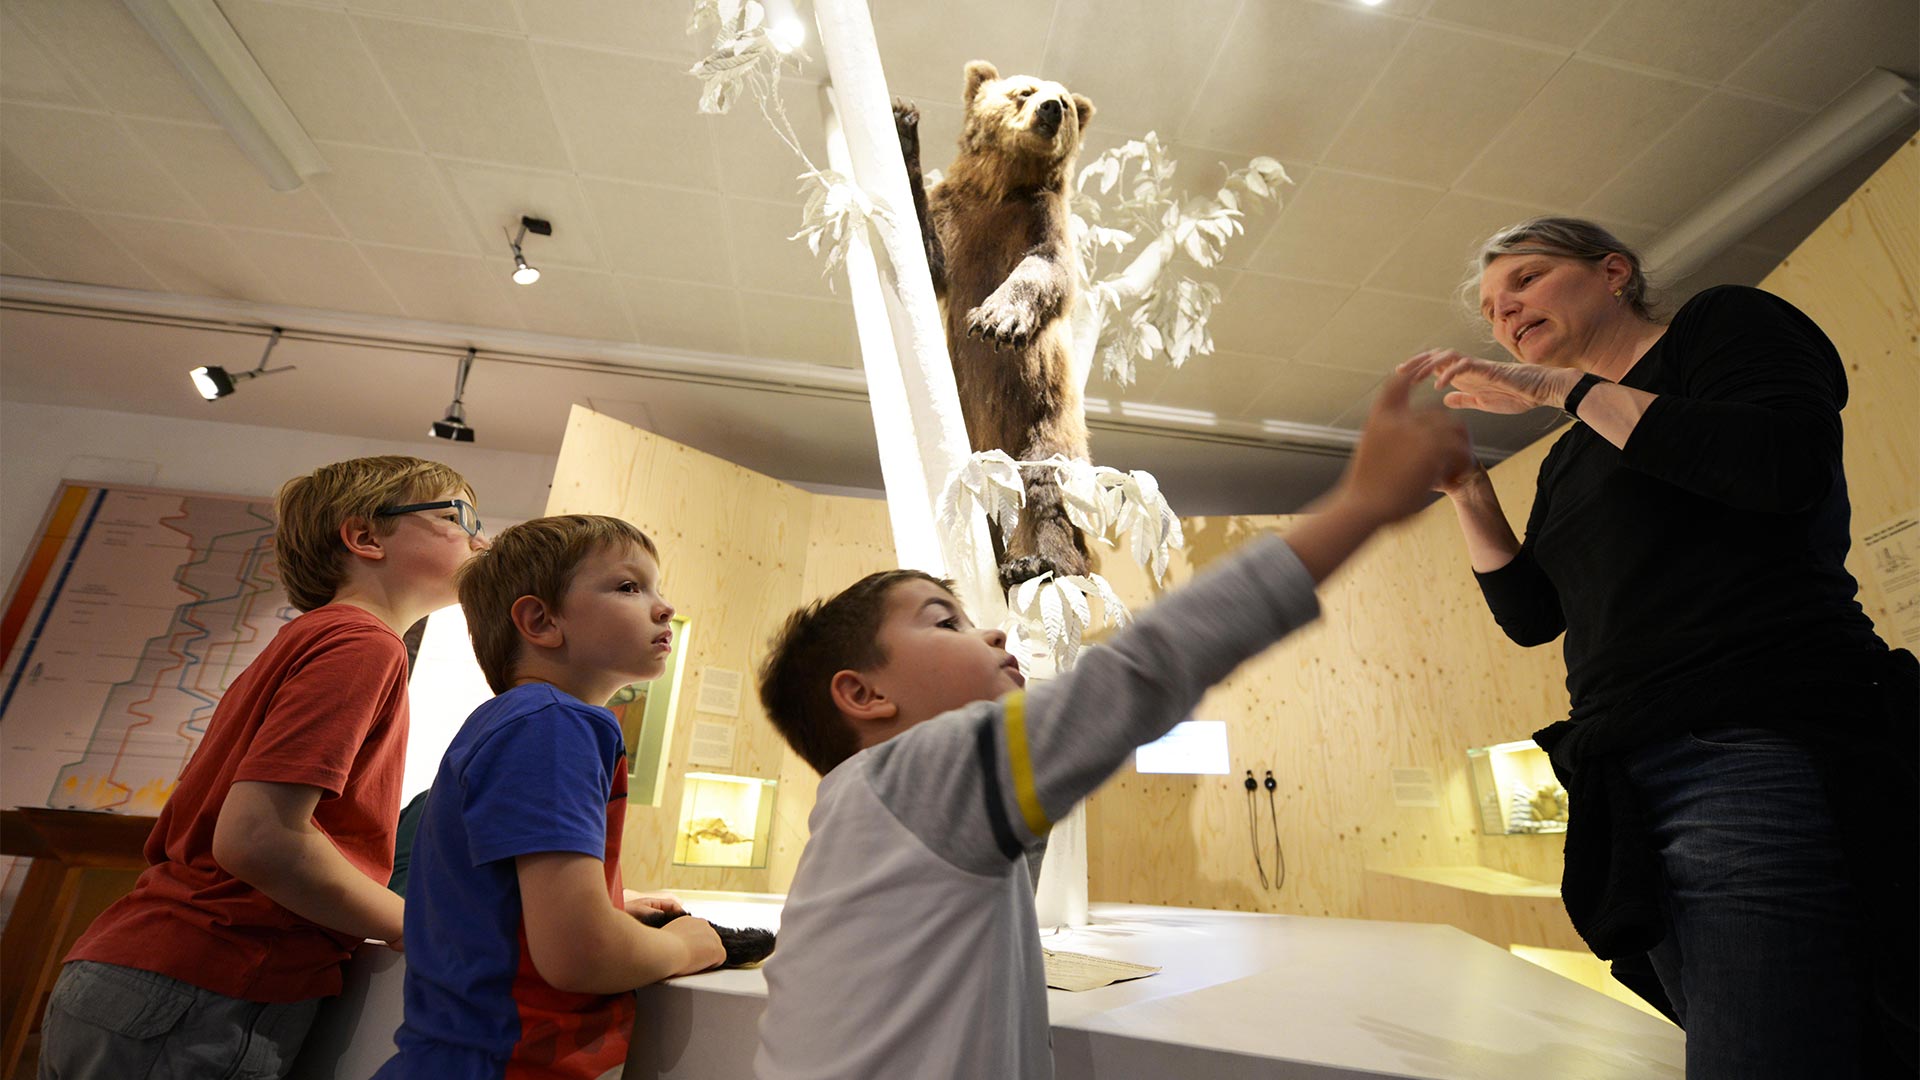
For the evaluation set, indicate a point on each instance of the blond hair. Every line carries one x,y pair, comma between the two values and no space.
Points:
535,558
311,509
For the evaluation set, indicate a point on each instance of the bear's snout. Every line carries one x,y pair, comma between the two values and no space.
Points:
1046,116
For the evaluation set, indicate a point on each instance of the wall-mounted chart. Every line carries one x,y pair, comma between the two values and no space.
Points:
132,613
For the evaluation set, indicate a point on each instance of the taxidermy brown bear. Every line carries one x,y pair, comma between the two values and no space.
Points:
1005,272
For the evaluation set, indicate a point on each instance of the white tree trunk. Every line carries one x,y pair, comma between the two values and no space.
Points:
917,418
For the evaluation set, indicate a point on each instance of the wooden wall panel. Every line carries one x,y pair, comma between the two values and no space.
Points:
1858,276
736,549
1406,668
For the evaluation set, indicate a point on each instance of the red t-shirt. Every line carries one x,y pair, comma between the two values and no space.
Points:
324,704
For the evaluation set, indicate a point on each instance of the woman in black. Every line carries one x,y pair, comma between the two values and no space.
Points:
1739,753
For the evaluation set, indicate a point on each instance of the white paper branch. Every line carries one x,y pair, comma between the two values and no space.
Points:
1128,315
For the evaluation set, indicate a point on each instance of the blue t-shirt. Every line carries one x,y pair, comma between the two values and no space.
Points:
533,770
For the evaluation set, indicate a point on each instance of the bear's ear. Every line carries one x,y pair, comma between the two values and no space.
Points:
977,72
1083,108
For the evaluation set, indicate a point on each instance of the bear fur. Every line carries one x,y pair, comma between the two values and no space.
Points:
1005,272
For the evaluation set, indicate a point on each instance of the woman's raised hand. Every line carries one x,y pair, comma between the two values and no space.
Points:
1490,385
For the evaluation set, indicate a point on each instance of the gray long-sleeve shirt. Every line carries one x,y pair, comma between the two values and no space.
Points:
908,946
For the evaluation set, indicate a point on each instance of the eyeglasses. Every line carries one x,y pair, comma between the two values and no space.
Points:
463,510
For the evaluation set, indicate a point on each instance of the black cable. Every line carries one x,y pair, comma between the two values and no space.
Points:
1253,828
1273,818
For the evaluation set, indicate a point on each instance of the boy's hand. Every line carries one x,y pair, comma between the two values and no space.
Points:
1404,453
640,905
703,946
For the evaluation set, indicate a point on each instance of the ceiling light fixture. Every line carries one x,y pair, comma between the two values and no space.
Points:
454,425
202,44
216,382
524,273
1881,103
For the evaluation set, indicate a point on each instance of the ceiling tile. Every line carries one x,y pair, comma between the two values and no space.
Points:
575,303
1309,394
208,164
661,232
796,328
1422,93
1287,77
1221,383
1710,147
765,260
598,101
1270,316
393,197
88,158
1553,22
466,93
925,48
1560,149
436,287
656,29
29,72
65,246
1339,226
1701,39
14,264
495,199
1101,50
1829,46
322,71
1434,255
752,160
316,272
681,315
21,184
198,260
1373,331
480,14
111,52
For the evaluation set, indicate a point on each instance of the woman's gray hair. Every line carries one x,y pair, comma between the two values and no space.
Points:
1571,238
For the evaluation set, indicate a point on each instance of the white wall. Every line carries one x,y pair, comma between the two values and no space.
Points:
40,445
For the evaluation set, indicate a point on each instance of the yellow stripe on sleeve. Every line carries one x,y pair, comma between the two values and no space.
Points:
1020,763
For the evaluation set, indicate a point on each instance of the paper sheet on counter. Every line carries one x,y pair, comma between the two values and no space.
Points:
1078,971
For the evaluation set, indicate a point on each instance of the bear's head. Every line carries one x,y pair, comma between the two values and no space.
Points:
1022,118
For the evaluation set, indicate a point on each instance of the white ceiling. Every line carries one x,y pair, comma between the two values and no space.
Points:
1411,130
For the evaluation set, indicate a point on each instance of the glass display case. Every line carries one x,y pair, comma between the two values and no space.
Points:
645,712
1515,790
724,821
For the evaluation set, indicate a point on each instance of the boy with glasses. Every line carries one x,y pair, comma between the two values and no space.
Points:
270,860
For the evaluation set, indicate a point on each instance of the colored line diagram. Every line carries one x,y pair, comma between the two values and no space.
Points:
153,720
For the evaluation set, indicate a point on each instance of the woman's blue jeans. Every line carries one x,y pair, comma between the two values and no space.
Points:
1762,960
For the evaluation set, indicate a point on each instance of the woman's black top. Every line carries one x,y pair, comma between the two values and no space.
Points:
1705,559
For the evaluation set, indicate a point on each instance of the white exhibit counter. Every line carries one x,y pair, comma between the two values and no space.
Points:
1279,997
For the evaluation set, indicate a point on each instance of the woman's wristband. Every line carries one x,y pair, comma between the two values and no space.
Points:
1588,381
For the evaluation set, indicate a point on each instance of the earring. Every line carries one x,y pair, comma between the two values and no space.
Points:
1617,293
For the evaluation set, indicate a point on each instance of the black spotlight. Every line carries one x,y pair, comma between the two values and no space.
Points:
453,426
212,382
216,382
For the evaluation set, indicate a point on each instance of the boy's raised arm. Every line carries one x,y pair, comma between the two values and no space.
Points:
580,942
1032,757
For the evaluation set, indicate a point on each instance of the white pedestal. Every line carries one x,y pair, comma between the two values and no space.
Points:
1268,996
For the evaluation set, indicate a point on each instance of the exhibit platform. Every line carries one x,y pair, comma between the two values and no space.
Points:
1279,997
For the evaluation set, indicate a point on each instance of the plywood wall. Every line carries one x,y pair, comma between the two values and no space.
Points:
1406,668
1858,276
738,552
